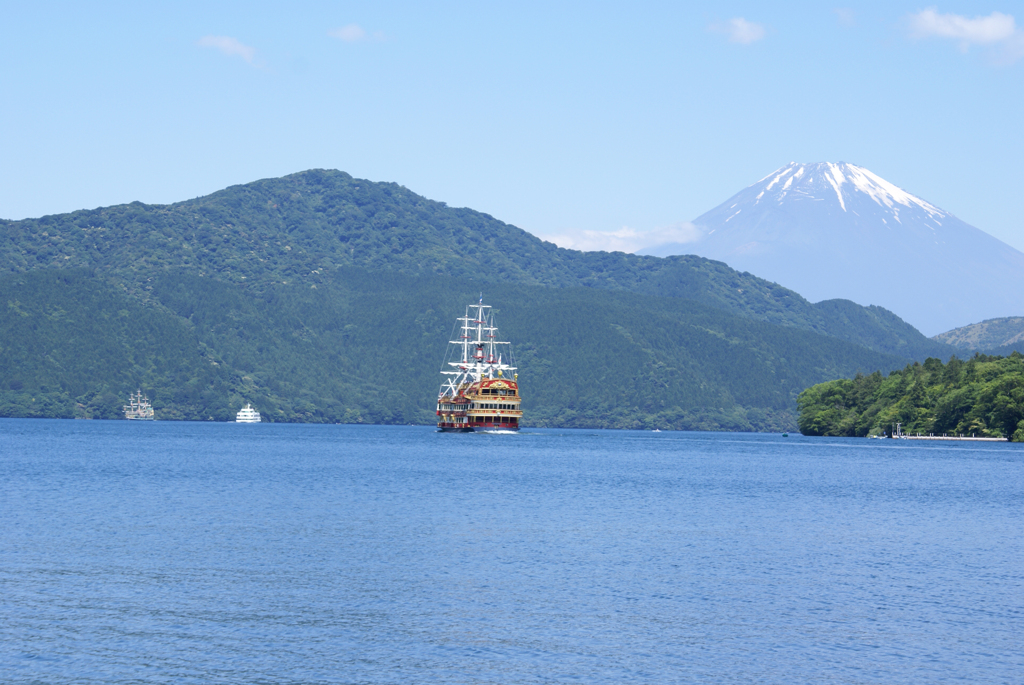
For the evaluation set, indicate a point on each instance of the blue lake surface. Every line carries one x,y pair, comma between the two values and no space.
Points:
220,553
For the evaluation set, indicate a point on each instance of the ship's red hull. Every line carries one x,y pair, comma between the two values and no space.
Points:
477,429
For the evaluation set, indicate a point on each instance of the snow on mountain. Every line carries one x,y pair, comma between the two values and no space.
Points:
839,231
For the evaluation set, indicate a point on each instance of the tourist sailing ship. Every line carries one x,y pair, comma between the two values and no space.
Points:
138,408
477,395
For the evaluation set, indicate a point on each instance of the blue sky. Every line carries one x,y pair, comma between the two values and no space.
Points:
610,118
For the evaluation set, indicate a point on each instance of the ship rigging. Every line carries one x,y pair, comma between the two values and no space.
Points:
481,391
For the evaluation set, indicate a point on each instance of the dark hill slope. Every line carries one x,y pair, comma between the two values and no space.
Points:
72,345
302,226
367,346
878,329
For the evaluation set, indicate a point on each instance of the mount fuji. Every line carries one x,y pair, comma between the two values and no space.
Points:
839,231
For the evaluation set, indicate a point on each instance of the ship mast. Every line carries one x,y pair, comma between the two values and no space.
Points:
478,357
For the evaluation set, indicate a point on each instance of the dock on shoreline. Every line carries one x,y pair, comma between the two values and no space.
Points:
898,434
945,437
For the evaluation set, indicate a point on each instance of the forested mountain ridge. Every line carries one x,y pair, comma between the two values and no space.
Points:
320,297
366,347
300,227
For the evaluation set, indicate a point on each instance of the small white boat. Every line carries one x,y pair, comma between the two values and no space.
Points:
248,415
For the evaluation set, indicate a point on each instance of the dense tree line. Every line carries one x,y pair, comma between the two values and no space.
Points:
366,346
981,396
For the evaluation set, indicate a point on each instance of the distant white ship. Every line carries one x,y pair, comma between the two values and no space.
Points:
248,415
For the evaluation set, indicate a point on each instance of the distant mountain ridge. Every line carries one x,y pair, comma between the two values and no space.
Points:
837,230
994,336
297,228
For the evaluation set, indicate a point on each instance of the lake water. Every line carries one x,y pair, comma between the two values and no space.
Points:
220,553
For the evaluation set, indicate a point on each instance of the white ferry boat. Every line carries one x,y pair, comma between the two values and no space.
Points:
478,396
138,408
247,415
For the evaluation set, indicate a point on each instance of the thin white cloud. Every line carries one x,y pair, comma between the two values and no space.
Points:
845,16
350,33
994,28
625,239
998,31
229,46
739,30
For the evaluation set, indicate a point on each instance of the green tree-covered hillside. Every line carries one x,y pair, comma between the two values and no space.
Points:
301,227
72,345
982,396
366,346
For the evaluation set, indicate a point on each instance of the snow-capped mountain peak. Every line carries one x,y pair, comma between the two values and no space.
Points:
837,230
841,180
